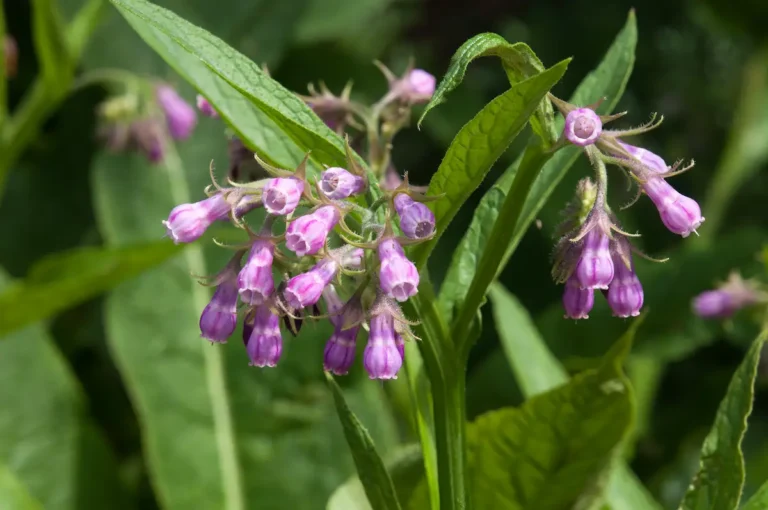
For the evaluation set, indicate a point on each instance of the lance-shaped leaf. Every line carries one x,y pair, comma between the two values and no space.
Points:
479,144
373,475
554,451
176,40
720,479
609,80
519,62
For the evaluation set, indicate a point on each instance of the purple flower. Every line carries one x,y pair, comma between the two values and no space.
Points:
219,319
307,234
282,194
187,222
398,276
382,359
582,127
415,87
338,183
577,302
416,219
625,293
205,107
400,343
255,279
680,214
179,115
647,158
265,344
305,289
595,267
353,259
339,351
714,304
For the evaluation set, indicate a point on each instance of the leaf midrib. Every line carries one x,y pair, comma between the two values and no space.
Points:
224,430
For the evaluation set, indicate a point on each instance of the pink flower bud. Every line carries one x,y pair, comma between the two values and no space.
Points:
206,108
398,276
625,293
417,221
179,115
305,289
282,194
338,183
188,222
647,158
307,234
582,127
381,358
595,267
219,319
680,214
255,279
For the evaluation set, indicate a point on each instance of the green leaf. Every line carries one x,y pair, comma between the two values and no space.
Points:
176,40
66,279
407,469
608,79
537,371
720,479
759,500
13,494
217,433
555,450
519,62
373,474
47,440
479,144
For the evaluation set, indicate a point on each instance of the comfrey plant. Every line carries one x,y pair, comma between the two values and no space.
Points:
329,247
594,253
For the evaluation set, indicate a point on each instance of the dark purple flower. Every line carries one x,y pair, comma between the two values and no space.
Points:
625,293
582,127
398,276
382,359
282,194
206,108
187,222
219,319
339,351
307,234
265,344
595,267
305,289
338,183
577,302
255,279
179,115
417,221
680,214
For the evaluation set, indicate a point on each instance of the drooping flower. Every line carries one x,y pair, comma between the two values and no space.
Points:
727,299
398,276
577,302
205,107
255,281
625,293
281,195
307,234
382,359
265,344
305,289
219,318
595,267
188,222
646,158
582,127
339,352
179,115
417,221
337,183
680,214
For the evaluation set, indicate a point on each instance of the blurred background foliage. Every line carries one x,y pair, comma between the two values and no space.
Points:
703,65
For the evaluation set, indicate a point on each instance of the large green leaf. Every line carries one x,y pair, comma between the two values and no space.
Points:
519,62
66,279
608,79
479,144
180,43
217,433
47,441
553,453
13,494
537,370
720,479
377,483
759,500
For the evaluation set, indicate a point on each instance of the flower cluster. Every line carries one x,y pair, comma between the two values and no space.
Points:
728,298
316,244
594,252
